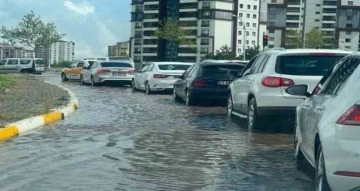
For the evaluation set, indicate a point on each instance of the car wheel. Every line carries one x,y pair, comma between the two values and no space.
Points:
133,86
321,183
253,119
229,105
175,96
93,83
82,80
63,77
188,100
147,88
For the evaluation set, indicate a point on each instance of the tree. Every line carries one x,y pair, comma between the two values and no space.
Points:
31,31
293,39
251,52
314,38
171,32
224,53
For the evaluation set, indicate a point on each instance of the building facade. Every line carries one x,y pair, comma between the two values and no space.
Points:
209,25
8,51
119,49
62,51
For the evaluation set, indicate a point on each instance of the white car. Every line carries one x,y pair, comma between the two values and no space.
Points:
22,65
158,76
327,131
97,72
260,90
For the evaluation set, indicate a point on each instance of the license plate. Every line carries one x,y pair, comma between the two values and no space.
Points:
119,74
224,83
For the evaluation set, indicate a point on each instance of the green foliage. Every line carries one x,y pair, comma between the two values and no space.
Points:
32,31
251,52
293,39
314,38
224,53
172,31
62,64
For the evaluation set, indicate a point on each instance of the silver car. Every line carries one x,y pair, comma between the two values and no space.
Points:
22,65
97,72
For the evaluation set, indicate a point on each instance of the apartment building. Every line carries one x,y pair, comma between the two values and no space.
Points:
119,49
62,51
210,25
348,25
249,31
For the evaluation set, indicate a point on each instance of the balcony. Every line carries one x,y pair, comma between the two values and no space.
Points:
136,2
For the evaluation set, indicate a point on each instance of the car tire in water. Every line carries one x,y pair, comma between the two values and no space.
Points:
189,101
321,183
147,89
63,77
253,119
229,106
175,96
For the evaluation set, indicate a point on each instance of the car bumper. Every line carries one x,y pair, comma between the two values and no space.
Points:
115,79
209,93
161,85
342,154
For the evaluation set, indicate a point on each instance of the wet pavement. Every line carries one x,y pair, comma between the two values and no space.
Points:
119,140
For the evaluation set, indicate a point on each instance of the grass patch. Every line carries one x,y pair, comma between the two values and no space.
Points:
6,81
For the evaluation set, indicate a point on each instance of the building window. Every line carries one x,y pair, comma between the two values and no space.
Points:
204,50
254,33
317,20
247,24
204,41
348,25
239,41
318,5
138,25
271,31
254,25
255,7
247,41
205,32
206,13
241,6
273,1
271,38
248,15
349,18
253,42
318,13
272,16
239,50
205,23
249,7
348,47
247,33
240,24
239,32
254,16
206,5
349,10
350,2
347,40
240,14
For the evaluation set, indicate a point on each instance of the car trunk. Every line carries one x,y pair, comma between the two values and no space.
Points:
171,74
119,71
305,69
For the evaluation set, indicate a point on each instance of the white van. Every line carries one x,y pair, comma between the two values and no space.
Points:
22,65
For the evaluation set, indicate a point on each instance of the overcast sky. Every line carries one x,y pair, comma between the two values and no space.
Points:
91,24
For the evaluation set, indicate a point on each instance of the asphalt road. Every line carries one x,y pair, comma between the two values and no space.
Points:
119,140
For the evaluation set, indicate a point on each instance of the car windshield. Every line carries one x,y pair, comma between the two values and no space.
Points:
115,64
39,62
173,66
220,70
306,65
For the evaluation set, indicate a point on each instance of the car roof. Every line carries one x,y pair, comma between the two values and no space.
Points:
112,61
282,51
226,61
207,63
174,63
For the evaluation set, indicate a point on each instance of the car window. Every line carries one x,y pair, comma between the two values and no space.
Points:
12,62
249,65
115,64
25,61
263,64
186,73
337,80
151,67
220,70
144,68
173,66
39,62
257,64
80,64
193,71
93,65
306,65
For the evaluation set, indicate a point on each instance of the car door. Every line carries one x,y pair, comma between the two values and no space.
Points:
140,79
11,66
179,85
88,72
148,74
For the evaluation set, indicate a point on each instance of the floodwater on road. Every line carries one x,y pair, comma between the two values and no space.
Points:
119,140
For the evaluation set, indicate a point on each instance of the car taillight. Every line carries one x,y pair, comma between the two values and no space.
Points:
159,76
351,116
199,83
102,71
275,82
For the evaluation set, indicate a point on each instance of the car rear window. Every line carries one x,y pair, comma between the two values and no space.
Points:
115,64
219,70
173,67
306,65
25,61
40,62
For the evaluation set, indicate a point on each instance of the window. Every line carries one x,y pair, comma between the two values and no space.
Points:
348,25
204,50
349,10
248,6
337,80
272,16
205,23
318,13
349,18
248,15
241,6
254,16
318,5
27,61
271,31
174,67
347,40
12,62
240,24
240,14
247,24
206,5
80,64
138,25
317,20
253,33
206,13
273,1
247,41
254,25
271,38
205,32
247,33
220,70
239,50
255,7
350,2
257,65
239,32
253,42
204,41
239,41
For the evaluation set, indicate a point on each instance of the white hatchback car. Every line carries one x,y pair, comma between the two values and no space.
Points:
260,90
327,132
159,76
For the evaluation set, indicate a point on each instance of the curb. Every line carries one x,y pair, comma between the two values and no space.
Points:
19,127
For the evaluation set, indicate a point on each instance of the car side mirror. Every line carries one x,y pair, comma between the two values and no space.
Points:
298,90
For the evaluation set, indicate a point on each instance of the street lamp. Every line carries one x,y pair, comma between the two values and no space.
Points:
244,34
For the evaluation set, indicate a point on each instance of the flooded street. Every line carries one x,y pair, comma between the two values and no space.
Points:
119,140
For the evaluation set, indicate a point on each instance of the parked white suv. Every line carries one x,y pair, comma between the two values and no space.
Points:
22,65
260,90
327,132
